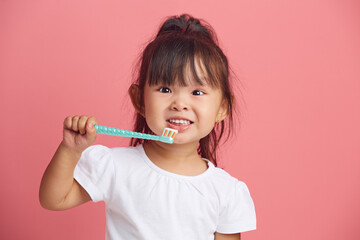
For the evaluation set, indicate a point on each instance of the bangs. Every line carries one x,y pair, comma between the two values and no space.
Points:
182,60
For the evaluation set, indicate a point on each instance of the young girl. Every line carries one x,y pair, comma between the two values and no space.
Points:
154,190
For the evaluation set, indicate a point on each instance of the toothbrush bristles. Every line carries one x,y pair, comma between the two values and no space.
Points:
169,132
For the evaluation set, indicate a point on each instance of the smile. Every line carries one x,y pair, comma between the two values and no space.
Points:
179,124
178,121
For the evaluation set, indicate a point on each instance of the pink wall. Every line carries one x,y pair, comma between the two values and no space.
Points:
299,146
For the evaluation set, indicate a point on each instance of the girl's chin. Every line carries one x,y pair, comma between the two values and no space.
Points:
180,140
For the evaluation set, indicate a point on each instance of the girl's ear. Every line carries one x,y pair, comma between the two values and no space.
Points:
134,92
224,110
222,113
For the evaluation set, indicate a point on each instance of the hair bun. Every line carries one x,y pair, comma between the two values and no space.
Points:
186,24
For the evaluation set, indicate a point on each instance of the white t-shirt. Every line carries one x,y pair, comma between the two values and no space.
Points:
146,202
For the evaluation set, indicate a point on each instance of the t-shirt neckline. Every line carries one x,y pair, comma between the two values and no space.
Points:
152,165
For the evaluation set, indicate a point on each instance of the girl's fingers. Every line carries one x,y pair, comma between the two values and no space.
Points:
79,131
74,125
92,121
68,122
82,124
90,124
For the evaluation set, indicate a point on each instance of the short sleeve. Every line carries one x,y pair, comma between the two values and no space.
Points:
239,214
95,172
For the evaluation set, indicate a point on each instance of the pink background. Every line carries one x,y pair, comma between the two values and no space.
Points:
298,148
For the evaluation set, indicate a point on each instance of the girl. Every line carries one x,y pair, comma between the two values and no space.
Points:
153,190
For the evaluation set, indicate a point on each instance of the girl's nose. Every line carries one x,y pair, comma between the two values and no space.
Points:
179,104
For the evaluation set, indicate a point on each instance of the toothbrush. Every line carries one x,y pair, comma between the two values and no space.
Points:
166,137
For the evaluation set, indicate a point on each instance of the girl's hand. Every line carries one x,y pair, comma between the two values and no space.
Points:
79,133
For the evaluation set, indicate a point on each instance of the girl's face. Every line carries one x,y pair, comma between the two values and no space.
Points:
193,110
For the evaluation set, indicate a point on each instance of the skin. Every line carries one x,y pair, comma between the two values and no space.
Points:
202,105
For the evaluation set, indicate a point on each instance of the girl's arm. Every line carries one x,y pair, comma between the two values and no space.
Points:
220,236
58,189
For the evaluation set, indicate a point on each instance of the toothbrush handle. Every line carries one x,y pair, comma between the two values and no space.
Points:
125,133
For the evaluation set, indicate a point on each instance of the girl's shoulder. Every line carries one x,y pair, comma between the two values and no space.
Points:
223,176
226,182
99,154
101,150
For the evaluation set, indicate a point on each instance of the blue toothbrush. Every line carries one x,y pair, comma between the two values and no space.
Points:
166,137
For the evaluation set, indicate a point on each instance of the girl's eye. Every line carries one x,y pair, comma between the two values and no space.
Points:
197,92
165,90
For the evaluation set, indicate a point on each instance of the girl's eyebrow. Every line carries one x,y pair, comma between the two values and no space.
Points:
204,82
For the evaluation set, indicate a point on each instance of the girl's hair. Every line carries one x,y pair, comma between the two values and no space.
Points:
181,43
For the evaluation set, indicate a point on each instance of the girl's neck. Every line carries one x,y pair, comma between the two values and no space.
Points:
172,152
180,159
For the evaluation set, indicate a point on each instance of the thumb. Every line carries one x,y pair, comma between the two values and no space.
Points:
90,131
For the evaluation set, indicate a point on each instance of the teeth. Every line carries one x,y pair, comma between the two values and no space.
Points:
185,122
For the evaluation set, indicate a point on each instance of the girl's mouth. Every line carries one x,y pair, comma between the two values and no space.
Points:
179,124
